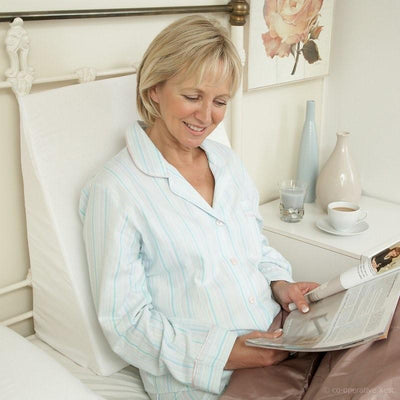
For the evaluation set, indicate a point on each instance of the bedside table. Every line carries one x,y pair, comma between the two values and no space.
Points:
319,256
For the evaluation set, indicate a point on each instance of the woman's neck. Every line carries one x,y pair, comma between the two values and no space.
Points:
172,150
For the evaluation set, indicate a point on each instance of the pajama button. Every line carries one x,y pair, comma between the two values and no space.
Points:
219,223
252,300
234,261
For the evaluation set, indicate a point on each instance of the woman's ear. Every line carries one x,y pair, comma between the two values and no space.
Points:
154,94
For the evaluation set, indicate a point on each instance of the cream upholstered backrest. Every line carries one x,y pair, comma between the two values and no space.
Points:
66,135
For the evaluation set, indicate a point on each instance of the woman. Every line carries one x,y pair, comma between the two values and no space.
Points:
385,258
181,275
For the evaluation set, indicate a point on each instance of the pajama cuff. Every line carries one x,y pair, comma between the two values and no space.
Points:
210,363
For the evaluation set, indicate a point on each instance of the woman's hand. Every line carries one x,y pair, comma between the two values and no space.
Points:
286,293
243,356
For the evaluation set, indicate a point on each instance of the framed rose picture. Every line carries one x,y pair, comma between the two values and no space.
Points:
289,40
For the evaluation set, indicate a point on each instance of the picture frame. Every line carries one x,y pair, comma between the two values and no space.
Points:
278,51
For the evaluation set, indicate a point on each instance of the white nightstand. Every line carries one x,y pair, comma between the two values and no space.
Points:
319,256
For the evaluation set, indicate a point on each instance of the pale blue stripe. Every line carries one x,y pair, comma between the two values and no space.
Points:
216,359
233,272
94,252
175,251
250,283
221,293
195,239
153,209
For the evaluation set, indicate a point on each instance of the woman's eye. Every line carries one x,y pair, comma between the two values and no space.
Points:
220,103
191,98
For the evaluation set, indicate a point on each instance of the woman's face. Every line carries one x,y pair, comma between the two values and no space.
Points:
190,111
396,252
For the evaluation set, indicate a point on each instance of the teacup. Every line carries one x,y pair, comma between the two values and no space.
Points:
344,215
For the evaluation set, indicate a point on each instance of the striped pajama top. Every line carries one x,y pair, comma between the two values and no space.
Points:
175,280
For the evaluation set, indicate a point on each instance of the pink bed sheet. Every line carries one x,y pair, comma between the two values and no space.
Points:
367,372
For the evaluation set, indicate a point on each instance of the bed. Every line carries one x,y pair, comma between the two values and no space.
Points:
64,137
66,133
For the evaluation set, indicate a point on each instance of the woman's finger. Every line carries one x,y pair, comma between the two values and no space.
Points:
263,334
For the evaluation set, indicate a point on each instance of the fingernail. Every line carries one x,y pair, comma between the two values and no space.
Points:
305,308
278,331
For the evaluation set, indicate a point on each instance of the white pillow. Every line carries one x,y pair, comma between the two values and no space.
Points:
27,373
66,135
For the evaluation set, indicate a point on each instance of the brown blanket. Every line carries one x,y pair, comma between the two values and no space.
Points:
367,372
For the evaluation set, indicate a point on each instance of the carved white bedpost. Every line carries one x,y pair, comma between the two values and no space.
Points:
86,74
20,74
240,9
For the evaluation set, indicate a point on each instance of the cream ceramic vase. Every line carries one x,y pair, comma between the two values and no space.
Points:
339,179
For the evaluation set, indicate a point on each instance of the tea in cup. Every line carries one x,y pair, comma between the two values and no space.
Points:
344,215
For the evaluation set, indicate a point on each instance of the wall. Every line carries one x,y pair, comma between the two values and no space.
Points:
362,92
273,121
273,117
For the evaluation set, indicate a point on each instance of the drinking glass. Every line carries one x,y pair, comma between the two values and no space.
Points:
292,193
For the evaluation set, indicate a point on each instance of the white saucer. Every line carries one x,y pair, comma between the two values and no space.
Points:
324,225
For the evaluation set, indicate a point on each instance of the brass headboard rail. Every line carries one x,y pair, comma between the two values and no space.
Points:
238,9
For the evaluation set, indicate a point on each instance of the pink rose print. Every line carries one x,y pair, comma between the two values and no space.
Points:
293,29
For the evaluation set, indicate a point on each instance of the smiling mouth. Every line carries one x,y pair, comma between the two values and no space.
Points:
195,128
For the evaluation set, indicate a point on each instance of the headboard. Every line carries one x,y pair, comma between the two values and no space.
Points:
22,78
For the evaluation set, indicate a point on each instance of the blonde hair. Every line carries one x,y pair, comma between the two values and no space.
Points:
193,46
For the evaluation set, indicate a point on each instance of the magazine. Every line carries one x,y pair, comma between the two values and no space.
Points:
381,262
352,309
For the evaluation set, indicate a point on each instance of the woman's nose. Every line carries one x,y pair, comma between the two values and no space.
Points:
203,114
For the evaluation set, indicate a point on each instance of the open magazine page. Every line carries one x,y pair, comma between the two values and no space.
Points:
382,262
346,319
366,312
